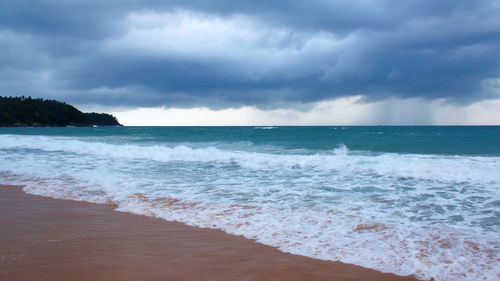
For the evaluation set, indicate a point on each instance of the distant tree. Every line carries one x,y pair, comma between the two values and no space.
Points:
102,119
22,111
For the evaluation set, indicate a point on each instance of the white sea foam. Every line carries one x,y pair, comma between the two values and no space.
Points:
341,150
426,167
430,215
265,128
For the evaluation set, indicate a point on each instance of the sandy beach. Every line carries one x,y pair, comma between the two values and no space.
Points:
51,239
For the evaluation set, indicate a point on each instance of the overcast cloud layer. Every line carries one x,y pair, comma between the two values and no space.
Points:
269,54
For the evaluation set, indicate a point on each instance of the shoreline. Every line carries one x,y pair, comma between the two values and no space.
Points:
44,238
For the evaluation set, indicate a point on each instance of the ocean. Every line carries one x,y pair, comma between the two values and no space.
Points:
407,200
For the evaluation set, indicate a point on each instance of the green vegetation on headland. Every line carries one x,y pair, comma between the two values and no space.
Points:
21,111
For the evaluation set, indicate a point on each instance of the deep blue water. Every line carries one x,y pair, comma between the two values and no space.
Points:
451,140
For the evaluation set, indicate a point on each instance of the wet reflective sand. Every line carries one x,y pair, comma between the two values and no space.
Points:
49,239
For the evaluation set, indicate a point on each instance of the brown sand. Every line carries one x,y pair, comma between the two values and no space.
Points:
49,239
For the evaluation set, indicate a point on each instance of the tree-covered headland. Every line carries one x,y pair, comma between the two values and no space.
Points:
27,111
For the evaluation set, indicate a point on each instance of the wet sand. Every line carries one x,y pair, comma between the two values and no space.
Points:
50,239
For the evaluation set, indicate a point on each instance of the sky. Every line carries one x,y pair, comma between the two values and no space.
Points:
317,62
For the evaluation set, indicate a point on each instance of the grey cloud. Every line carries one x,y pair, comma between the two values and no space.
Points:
406,49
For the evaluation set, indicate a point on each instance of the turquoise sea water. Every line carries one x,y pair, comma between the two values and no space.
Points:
408,200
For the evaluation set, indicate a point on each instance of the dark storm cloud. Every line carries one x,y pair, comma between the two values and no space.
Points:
264,53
